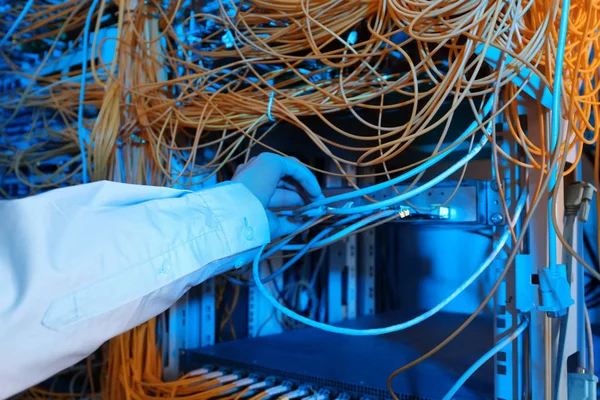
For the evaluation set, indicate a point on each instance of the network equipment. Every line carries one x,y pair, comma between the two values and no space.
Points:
455,254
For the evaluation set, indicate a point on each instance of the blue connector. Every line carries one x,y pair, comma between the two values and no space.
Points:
554,291
352,37
582,386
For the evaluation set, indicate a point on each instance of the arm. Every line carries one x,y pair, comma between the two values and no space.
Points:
81,265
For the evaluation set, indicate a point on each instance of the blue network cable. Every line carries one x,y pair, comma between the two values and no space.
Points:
555,125
395,181
404,196
346,231
304,248
315,242
394,328
84,59
15,24
493,351
278,247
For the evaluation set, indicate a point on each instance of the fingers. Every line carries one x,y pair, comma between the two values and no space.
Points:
302,175
268,172
288,184
239,169
284,198
242,167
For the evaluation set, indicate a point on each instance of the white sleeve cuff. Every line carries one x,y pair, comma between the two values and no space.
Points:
242,217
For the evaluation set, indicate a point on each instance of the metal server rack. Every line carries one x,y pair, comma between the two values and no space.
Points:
192,319
523,370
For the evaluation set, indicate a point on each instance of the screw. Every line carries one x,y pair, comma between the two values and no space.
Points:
494,186
497,219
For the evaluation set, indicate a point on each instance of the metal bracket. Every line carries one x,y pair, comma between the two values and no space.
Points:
475,202
261,314
191,325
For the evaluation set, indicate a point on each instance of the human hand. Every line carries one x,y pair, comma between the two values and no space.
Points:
278,182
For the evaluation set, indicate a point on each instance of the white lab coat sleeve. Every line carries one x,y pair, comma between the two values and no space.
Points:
83,264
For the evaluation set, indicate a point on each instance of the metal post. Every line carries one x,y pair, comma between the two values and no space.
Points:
366,273
508,362
262,320
366,265
540,329
575,342
341,286
342,271
543,330
191,325
207,313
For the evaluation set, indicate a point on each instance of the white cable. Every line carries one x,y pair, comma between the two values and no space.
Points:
589,341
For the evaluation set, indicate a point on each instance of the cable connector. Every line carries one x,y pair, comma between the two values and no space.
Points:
322,394
310,213
315,212
554,291
578,198
300,392
275,390
581,386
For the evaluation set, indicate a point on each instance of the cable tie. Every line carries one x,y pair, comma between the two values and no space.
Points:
270,106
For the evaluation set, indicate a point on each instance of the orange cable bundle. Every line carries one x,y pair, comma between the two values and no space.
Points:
227,106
